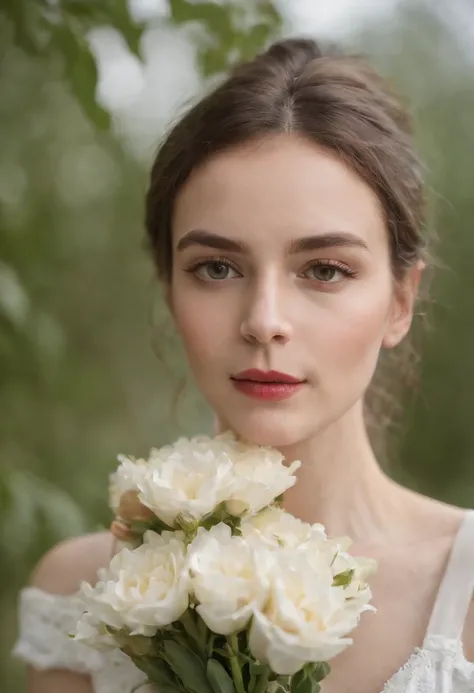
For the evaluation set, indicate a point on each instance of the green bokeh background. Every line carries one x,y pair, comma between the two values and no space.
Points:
89,365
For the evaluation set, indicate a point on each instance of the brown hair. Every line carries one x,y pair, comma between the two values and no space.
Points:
338,102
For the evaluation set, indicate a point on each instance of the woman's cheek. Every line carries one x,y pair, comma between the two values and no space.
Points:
353,333
201,325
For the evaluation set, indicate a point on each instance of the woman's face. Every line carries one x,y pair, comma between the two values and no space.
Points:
281,263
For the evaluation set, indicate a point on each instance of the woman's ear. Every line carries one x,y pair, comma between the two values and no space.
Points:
403,305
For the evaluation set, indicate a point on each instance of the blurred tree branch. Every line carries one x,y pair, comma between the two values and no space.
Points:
232,32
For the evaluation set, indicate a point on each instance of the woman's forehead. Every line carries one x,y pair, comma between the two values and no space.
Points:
283,186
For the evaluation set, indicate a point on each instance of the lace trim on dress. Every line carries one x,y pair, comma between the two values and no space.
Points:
45,623
438,666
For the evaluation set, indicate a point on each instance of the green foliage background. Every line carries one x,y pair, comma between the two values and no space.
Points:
89,365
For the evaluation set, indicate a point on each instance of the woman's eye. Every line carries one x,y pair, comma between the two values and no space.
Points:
215,270
324,273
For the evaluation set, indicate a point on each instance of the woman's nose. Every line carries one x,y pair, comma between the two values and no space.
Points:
265,319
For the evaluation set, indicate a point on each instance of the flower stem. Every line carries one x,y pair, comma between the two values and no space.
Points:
236,669
262,682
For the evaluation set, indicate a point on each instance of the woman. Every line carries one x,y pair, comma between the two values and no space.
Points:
285,216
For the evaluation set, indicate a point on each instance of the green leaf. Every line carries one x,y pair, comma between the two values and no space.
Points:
307,679
158,673
298,679
29,24
303,684
188,621
254,40
212,61
106,13
80,72
187,667
320,671
93,12
218,677
217,18
343,579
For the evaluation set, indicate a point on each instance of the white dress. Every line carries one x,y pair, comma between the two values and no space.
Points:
439,666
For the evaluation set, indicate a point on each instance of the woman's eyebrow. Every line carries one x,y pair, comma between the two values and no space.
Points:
211,240
336,239
207,239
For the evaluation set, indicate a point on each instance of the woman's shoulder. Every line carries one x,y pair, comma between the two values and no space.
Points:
433,517
64,567
49,610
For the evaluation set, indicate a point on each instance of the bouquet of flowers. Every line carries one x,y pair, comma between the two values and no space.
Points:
217,589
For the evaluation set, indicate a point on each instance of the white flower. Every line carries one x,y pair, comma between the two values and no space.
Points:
306,618
228,578
343,560
260,477
141,590
188,479
90,631
357,591
278,528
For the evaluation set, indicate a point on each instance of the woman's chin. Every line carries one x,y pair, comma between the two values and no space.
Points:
274,434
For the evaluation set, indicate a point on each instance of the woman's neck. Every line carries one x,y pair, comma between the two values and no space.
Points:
340,484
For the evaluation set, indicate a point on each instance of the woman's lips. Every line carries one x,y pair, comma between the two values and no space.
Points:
266,385
274,392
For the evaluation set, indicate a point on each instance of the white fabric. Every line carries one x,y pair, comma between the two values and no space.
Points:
439,666
46,621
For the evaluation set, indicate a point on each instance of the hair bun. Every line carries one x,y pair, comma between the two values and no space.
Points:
294,53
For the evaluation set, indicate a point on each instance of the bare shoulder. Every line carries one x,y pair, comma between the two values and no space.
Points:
72,561
433,518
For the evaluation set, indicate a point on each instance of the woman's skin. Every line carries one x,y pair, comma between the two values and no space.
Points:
281,262
321,313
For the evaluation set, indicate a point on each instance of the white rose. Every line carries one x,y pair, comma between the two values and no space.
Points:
188,479
306,618
278,528
260,476
228,578
141,590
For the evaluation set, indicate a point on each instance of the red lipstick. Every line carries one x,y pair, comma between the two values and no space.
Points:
266,385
